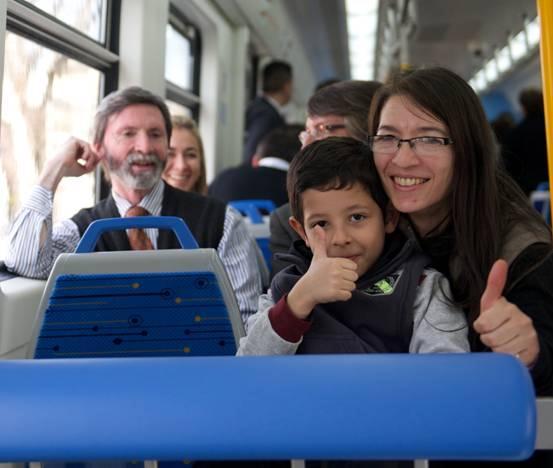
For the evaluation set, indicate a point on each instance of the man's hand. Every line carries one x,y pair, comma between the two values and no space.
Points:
327,280
502,326
75,158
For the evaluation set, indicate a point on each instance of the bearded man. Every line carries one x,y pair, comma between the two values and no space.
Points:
131,134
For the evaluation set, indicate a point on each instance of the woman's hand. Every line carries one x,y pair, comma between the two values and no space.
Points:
502,326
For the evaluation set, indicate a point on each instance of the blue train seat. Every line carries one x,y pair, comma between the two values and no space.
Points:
474,406
256,213
137,303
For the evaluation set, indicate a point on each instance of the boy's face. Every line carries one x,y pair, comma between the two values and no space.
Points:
353,223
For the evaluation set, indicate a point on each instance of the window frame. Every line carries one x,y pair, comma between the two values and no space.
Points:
189,98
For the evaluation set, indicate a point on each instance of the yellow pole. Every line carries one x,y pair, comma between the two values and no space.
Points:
545,12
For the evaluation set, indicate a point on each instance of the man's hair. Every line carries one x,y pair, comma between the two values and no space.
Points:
334,163
275,75
349,99
115,102
282,142
531,100
186,123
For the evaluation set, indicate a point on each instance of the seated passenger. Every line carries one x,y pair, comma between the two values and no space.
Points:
265,178
132,129
355,284
185,168
338,109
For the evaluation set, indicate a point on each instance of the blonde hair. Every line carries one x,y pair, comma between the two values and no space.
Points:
186,123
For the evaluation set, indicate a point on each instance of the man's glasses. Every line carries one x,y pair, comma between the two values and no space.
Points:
318,132
424,145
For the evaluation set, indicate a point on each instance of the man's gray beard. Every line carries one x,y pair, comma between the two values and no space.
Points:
141,181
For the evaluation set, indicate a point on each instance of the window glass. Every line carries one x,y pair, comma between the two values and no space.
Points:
179,62
43,103
87,16
178,109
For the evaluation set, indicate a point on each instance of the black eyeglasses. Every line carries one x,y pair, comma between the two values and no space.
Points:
423,145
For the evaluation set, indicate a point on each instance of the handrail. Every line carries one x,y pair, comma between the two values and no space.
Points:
465,406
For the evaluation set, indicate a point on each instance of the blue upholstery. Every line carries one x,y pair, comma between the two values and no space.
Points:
254,209
465,406
256,212
137,303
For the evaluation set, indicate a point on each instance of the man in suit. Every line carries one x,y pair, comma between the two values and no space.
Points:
265,178
264,113
339,109
131,136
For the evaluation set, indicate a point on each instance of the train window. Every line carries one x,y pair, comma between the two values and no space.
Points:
182,54
178,109
178,60
87,16
54,77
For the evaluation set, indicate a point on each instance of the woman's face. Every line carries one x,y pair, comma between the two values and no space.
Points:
417,183
183,160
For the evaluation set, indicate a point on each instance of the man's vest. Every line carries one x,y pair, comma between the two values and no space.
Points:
204,216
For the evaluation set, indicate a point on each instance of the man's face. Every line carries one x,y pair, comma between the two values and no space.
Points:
319,127
135,146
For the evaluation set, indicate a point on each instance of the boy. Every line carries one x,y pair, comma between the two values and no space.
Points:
355,284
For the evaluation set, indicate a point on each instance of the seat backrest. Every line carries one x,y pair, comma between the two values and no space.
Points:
256,213
137,303
473,406
19,299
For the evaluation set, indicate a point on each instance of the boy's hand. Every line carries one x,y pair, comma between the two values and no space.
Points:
502,326
328,279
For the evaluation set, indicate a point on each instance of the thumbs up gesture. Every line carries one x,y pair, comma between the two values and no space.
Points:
328,279
502,326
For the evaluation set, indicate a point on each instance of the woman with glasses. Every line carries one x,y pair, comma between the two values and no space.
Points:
435,153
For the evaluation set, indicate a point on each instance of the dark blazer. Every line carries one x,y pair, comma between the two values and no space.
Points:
261,118
246,182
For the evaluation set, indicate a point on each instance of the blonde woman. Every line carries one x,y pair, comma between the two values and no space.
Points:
185,168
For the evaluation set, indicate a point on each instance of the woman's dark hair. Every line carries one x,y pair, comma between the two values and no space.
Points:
485,203
349,99
332,164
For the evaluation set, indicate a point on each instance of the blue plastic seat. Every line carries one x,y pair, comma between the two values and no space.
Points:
256,213
477,406
137,303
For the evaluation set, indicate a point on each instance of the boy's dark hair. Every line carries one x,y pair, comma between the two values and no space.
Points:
275,75
332,164
282,142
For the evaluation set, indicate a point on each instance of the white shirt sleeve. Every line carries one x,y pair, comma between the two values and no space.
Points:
237,251
261,339
33,244
438,326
